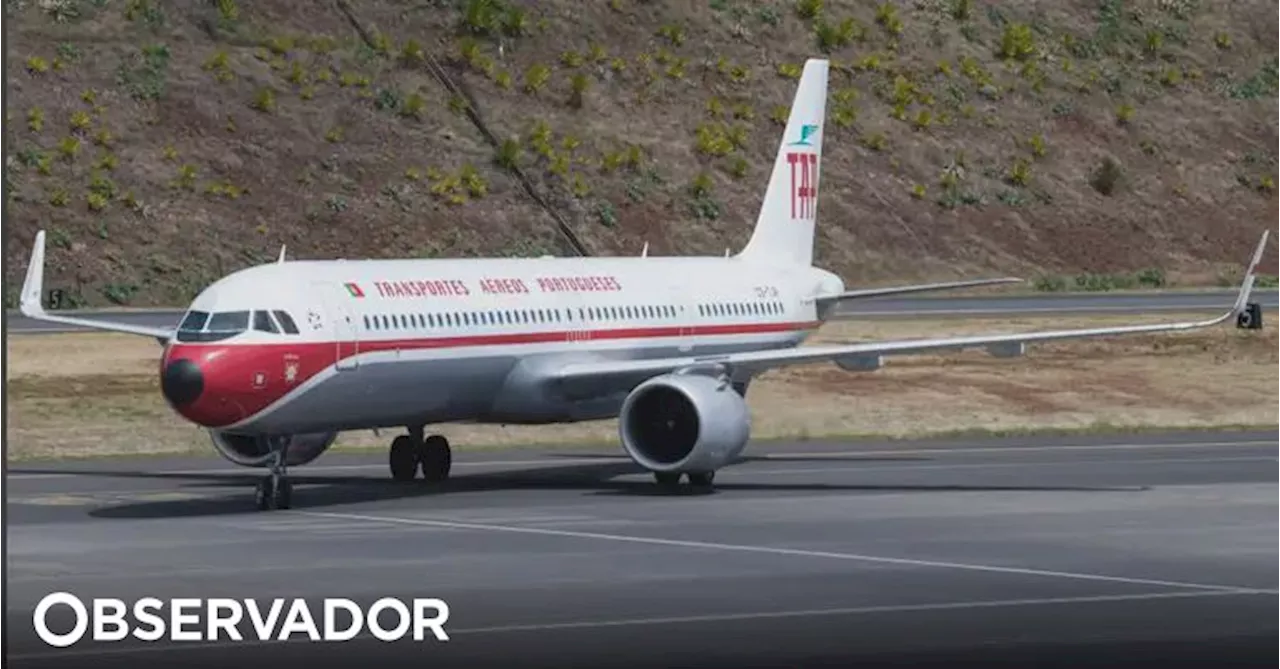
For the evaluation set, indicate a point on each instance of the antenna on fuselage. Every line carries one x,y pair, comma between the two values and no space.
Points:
644,252
282,247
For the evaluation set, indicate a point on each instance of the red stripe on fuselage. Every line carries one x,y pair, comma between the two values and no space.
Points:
242,380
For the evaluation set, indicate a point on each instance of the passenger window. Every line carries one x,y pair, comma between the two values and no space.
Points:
262,322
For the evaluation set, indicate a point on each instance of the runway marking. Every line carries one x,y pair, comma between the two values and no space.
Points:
667,620
766,456
772,550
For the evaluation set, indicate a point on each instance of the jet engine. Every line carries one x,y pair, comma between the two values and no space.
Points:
684,423
254,451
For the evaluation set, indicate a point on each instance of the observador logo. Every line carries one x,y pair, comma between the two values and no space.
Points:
221,619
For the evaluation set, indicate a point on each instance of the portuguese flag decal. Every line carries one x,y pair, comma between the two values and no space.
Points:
354,290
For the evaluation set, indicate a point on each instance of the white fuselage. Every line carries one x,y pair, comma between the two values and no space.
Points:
404,342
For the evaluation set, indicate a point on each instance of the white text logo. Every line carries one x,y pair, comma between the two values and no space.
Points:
387,619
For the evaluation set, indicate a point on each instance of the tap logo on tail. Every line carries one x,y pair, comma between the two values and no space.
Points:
804,176
806,132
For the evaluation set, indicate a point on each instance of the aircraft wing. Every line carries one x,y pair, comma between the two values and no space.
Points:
999,344
905,290
32,307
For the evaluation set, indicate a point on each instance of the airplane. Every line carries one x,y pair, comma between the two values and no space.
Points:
276,360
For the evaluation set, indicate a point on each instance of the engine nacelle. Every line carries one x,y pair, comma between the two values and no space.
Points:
684,423
253,450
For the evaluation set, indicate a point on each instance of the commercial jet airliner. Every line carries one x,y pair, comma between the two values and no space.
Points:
277,360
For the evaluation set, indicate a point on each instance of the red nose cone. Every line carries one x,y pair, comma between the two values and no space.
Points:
199,386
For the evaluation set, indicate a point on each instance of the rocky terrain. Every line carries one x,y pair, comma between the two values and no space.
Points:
1088,143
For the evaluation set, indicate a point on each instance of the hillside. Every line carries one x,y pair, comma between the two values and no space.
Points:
164,144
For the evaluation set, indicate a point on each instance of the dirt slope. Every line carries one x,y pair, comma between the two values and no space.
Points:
164,144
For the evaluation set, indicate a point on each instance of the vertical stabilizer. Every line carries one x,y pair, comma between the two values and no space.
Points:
785,227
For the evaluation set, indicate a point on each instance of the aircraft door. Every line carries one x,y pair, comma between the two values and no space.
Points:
346,332
686,316
578,325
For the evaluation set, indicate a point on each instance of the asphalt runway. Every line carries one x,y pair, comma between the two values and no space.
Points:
985,305
1046,551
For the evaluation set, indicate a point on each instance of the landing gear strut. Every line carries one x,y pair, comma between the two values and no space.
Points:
409,452
698,480
274,490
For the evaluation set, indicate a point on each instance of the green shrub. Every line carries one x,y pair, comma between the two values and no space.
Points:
227,10
536,77
1020,172
1037,146
571,58
413,106
578,84
264,100
1124,113
1017,42
1107,176
69,147
508,154
808,9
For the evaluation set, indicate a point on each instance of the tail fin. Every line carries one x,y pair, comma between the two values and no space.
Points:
784,229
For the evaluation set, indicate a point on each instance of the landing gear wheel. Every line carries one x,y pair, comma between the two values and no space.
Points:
274,490
702,479
436,458
264,495
282,495
667,479
403,460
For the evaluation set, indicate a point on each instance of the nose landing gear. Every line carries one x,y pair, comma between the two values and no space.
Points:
275,491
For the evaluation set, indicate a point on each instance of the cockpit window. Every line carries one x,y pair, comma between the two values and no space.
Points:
286,321
229,321
216,327
262,322
194,322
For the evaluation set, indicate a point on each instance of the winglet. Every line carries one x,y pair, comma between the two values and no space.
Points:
282,247
1246,285
31,303
644,252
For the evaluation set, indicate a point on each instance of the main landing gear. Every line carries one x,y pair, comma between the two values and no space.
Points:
697,480
274,490
409,452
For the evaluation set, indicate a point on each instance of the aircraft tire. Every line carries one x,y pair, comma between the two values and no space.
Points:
404,466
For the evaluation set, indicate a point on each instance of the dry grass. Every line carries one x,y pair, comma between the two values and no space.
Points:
96,394
1195,156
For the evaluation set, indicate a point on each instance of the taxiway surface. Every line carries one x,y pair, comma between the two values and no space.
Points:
1062,551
